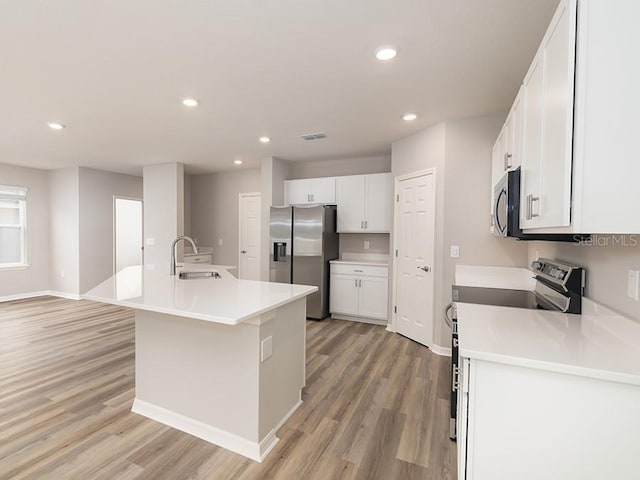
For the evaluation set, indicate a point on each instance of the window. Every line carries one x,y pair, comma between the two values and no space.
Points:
13,226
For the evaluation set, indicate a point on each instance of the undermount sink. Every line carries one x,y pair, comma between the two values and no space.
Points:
190,275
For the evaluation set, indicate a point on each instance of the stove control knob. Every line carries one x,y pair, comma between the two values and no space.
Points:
536,265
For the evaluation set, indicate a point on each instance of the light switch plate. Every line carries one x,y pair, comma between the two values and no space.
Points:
151,241
455,251
267,348
633,284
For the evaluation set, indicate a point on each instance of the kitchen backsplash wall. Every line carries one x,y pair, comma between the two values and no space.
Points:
607,259
354,243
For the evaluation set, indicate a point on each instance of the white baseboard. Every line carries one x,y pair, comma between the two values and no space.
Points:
390,328
254,450
43,293
442,351
70,296
351,318
23,296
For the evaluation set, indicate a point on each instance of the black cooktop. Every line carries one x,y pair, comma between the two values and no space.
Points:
499,297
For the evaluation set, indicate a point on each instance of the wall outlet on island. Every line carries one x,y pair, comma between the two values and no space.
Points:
366,244
267,348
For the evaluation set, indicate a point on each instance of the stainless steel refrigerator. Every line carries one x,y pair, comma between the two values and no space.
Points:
303,240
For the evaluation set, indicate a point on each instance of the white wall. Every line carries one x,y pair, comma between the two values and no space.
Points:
460,151
339,167
214,210
163,187
97,189
64,230
35,278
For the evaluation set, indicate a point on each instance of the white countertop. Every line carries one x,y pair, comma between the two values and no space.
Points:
225,300
599,343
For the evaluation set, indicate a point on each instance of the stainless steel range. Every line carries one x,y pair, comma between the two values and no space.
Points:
559,287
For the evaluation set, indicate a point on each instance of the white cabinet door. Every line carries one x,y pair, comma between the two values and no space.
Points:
350,197
378,200
297,192
373,293
323,190
343,294
497,164
533,96
548,125
514,133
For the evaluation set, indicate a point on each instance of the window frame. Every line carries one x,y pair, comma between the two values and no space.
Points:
21,196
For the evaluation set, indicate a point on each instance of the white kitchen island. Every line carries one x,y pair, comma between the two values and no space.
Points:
221,359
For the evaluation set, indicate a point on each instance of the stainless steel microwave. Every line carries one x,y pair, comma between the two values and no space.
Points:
506,212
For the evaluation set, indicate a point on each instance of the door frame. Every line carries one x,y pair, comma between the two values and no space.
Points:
392,326
241,196
135,199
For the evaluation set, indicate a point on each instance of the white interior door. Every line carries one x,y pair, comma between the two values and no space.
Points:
127,215
414,241
249,236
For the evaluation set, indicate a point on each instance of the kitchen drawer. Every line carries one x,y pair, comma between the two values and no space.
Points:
204,258
361,270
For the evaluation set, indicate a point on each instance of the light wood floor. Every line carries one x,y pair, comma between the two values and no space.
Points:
375,405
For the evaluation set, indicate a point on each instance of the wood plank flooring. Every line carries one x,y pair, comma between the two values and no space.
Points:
375,405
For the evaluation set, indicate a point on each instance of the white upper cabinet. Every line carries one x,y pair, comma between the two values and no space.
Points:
580,106
548,125
310,191
364,203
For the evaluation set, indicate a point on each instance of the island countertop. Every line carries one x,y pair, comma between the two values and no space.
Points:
226,300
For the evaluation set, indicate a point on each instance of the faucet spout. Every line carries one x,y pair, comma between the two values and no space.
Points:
172,267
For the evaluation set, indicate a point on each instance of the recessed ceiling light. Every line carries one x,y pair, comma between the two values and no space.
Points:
56,126
386,53
238,162
409,116
190,102
265,139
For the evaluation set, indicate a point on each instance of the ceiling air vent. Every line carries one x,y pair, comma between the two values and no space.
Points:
314,136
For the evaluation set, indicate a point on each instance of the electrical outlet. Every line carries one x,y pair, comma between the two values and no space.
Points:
366,244
61,273
455,251
633,284
267,348
151,241
220,241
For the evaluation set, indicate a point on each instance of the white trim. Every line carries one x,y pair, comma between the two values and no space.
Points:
240,197
392,327
254,450
442,351
42,293
352,318
70,296
23,296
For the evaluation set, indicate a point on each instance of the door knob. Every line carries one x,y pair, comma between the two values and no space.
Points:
425,269
243,251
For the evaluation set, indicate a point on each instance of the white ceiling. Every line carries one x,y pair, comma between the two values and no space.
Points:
115,73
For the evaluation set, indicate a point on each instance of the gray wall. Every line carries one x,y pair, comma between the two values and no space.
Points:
214,210
35,278
460,151
339,167
97,189
606,265
64,230
163,187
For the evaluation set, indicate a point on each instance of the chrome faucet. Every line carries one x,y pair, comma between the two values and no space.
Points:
172,267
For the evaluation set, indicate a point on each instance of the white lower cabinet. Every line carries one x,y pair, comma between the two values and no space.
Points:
359,291
524,423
